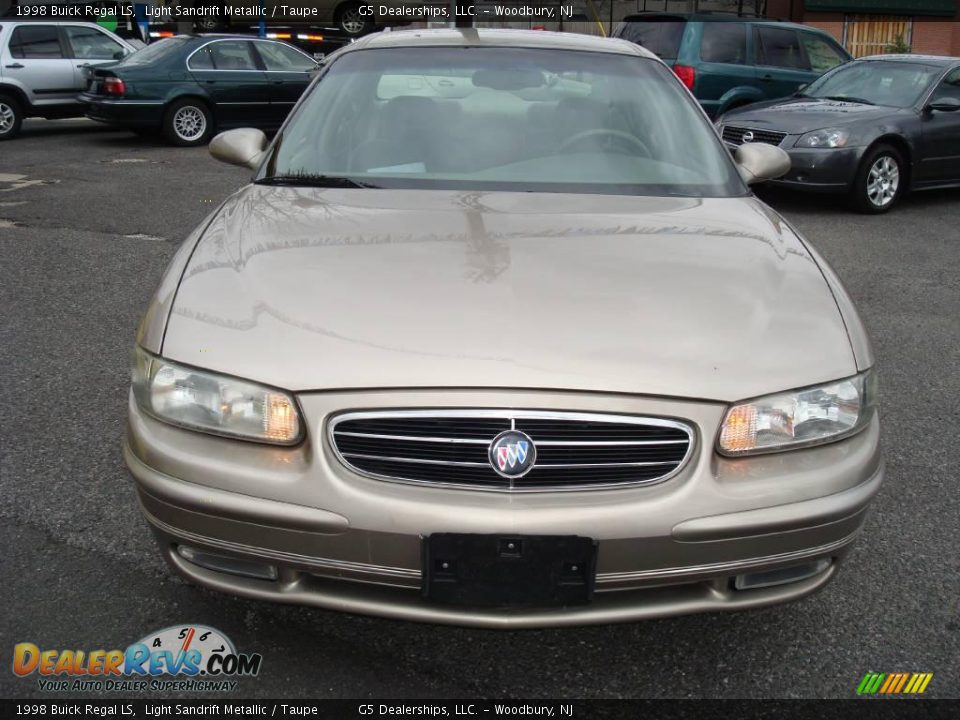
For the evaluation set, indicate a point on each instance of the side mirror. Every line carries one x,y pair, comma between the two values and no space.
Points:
802,86
119,54
947,104
316,70
758,162
243,147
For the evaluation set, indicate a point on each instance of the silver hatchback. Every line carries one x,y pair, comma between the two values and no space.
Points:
42,64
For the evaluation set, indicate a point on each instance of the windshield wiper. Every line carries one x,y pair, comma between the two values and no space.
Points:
307,180
848,98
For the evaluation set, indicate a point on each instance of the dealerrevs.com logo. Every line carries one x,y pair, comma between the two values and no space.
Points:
178,658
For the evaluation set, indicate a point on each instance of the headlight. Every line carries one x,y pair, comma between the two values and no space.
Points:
213,403
800,418
830,138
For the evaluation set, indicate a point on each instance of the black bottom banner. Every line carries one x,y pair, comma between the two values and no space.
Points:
869,709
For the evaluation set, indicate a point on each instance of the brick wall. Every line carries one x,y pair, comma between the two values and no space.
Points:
936,37
933,37
830,22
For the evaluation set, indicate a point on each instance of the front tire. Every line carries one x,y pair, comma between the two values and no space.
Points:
11,117
188,123
880,181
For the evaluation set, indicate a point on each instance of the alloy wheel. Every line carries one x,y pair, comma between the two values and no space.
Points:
352,21
7,118
883,181
189,123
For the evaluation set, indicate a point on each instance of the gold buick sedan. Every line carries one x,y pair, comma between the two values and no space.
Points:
498,336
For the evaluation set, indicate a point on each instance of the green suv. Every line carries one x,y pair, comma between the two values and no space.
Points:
730,62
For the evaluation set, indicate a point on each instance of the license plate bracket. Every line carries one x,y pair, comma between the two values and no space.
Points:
509,570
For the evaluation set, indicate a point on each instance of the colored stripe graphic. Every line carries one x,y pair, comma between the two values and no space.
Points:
894,683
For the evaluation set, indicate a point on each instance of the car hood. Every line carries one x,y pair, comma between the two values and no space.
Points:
310,289
795,116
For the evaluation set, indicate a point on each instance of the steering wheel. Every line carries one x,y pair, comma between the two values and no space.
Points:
619,134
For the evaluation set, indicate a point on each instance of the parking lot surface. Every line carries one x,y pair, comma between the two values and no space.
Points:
89,218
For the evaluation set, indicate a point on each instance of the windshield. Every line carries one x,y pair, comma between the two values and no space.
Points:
503,118
156,51
877,82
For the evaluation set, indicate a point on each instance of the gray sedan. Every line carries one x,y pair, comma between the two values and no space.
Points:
873,128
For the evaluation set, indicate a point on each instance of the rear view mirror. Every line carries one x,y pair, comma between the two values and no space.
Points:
947,104
758,162
243,147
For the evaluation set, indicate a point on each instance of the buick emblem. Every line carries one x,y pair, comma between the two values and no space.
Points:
512,454
747,136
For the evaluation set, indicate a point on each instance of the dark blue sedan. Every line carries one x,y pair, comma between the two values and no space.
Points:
190,86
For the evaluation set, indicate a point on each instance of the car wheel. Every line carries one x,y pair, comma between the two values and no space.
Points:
187,123
350,21
11,117
880,180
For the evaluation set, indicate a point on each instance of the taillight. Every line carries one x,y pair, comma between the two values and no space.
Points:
687,75
113,86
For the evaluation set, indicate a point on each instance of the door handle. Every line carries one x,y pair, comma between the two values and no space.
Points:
277,82
767,78
14,66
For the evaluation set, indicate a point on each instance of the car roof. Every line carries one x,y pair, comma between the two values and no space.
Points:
498,37
940,60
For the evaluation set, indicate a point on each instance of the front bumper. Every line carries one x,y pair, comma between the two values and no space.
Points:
816,170
345,542
821,170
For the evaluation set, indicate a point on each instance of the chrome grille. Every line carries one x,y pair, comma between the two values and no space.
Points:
450,447
733,134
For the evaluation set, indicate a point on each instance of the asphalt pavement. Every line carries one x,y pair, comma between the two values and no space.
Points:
89,217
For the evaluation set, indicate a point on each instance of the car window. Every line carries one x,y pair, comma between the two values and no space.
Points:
277,57
505,119
822,55
202,59
661,37
724,42
779,47
949,88
91,44
157,51
223,55
879,82
36,41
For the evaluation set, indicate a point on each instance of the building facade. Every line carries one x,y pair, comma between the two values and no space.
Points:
868,27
